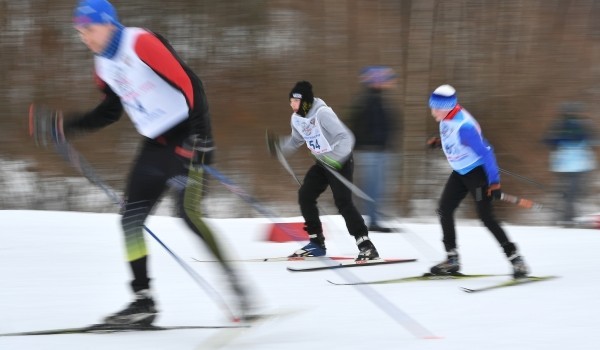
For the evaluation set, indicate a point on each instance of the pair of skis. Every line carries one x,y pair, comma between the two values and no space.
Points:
228,330
102,328
329,262
457,276
425,277
338,265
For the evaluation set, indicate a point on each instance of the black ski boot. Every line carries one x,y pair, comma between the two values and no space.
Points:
520,269
367,249
141,312
448,267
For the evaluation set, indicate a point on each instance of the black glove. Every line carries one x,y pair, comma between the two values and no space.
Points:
434,143
197,150
46,125
494,191
272,143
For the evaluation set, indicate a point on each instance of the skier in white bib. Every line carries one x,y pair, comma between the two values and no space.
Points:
330,142
140,73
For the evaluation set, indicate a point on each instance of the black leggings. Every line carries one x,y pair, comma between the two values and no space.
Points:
315,182
456,189
155,169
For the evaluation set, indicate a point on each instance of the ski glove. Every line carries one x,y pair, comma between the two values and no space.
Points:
434,143
494,191
272,143
46,126
197,150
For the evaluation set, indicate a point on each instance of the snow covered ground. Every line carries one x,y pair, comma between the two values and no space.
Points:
65,269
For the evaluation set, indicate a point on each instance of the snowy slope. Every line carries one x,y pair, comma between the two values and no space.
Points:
63,269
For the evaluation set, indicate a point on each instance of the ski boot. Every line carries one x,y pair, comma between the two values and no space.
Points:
316,246
520,269
367,249
141,312
312,249
448,267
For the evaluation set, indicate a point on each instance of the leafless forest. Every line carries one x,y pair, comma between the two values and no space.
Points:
512,62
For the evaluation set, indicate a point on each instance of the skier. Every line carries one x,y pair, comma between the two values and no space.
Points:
475,171
330,143
139,72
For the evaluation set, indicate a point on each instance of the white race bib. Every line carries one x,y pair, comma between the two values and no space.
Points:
310,129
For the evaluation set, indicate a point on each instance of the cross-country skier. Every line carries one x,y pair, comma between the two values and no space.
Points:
330,143
140,73
475,172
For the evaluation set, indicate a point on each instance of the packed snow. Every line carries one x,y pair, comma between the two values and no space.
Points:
67,269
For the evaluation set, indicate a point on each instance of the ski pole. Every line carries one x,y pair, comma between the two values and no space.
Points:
73,157
410,236
413,238
526,179
254,203
357,191
521,202
286,165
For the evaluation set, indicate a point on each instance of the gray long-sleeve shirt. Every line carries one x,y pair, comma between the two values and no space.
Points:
339,137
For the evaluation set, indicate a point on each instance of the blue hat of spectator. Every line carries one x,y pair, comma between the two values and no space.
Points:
444,97
372,75
95,12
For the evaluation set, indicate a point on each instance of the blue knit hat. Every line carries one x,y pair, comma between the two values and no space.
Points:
95,12
372,75
444,97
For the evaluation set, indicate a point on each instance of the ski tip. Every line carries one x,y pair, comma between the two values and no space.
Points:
531,278
398,259
510,282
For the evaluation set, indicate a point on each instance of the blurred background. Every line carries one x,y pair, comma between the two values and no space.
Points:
512,62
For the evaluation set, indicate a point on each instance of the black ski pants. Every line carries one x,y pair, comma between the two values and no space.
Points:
456,189
155,169
315,183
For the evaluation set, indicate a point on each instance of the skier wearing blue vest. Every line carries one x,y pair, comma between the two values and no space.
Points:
474,172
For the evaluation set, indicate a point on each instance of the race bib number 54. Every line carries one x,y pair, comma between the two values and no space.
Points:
310,129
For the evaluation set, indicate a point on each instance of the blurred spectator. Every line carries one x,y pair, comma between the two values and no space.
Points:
373,121
570,139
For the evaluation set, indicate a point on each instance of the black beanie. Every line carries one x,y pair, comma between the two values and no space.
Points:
303,91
